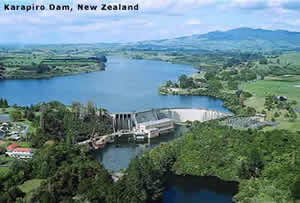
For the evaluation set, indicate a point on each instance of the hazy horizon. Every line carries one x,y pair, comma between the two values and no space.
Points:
155,20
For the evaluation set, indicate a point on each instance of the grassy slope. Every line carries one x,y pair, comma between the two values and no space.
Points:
292,57
29,186
284,86
14,62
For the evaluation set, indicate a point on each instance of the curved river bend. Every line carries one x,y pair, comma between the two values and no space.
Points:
126,85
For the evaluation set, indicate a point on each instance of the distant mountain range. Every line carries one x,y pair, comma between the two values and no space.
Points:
244,39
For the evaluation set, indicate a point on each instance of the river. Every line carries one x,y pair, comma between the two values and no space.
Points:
191,189
126,85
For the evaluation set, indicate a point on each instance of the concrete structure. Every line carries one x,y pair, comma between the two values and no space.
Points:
122,121
260,117
130,120
155,128
187,114
151,123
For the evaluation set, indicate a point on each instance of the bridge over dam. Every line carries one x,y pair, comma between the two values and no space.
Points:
129,120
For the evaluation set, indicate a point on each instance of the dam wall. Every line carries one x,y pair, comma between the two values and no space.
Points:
184,114
128,120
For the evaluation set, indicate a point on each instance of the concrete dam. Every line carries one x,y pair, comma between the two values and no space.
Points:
128,120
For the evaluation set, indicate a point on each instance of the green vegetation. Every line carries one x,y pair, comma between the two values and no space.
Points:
264,100
245,81
33,63
29,187
64,126
266,164
3,103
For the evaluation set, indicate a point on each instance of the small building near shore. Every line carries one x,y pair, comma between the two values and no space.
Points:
260,117
11,147
155,128
282,98
22,153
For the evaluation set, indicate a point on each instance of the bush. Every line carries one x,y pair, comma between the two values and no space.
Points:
2,150
295,188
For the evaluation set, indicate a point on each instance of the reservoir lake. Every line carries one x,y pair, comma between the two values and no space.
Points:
126,85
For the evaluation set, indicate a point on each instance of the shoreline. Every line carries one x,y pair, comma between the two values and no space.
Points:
54,76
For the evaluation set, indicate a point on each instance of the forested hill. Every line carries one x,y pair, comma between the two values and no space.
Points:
243,39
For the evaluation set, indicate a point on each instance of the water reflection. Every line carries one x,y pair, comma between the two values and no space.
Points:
192,189
117,156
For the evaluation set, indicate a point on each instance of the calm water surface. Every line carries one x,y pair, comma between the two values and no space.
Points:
126,85
190,189
118,155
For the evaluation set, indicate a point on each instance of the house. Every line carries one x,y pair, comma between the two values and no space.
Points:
22,153
282,98
11,147
260,117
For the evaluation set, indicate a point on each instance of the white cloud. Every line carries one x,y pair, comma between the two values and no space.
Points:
249,4
194,22
278,5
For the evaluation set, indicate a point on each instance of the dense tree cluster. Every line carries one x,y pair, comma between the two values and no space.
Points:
3,103
267,164
60,123
186,82
272,102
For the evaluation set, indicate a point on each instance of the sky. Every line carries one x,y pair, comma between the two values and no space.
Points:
156,19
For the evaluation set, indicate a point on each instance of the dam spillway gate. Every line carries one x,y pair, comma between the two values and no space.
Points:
129,120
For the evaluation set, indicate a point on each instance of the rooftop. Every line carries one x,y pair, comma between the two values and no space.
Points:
12,146
22,150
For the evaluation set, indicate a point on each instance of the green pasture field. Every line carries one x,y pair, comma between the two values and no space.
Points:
30,186
279,86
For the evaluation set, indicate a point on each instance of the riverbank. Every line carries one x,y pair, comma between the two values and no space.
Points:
195,189
235,155
33,76
40,65
231,100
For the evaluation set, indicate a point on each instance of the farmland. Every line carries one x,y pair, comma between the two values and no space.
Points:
46,63
287,86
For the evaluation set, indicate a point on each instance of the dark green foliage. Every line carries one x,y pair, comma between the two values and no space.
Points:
142,183
246,94
279,70
11,195
57,122
232,85
43,68
295,188
16,115
271,157
169,83
75,174
186,82
276,115
3,103
214,86
2,150
263,60
252,166
210,75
